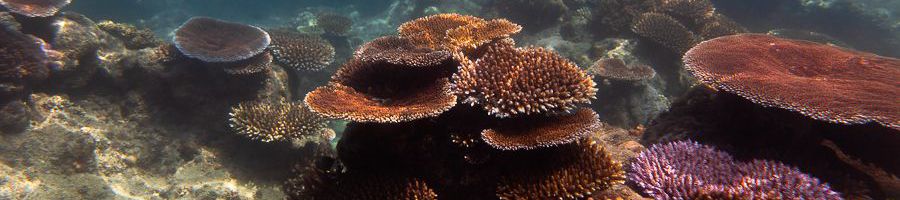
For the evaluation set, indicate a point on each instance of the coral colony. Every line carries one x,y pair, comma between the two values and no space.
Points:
441,106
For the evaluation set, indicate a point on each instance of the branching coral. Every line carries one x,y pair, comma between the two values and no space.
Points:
317,184
35,8
568,172
509,81
334,23
278,121
821,81
213,40
252,65
22,57
665,30
614,68
688,170
134,38
689,12
530,132
430,31
400,51
300,51
477,34
613,17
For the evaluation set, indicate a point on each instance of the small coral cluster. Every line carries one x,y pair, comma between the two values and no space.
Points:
300,51
688,170
277,121
134,38
402,93
614,68
333,23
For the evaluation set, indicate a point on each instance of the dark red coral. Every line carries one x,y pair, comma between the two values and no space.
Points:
213,40
821,81
35,8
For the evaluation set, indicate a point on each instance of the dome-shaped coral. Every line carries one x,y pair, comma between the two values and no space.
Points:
431,31
665,30
821,81
35,8
529,132
334,23
400,51
509,81
568,172
614,68
22,57
278,121
213,40
688,170
300,51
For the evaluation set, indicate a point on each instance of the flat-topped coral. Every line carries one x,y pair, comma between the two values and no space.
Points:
213,40
474,35
134,37
569,172
614,68
530,132
688,170
430,31
820,81
334,23
35,8
278,121
665,30
400,51
300,51
22,57
508,81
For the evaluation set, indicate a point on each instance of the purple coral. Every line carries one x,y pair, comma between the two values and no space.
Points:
688,170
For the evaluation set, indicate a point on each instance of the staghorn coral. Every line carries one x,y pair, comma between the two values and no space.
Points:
315,184
300,51
134,38
719,25
477,34
430,31
614,68
688,170
531,132
507,81
255,64
334,23
213,40
22,57
665,30
568,172
278,121
820,81
35,8
400,51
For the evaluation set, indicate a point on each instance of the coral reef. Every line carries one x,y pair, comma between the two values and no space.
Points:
665,30
477,34
280,121
213,40
134,37
430,31
817,80
300,51
614,68
252,65
24,57
317,184
400,51
13,117
333,23
688,170
531,132
35,8
574,171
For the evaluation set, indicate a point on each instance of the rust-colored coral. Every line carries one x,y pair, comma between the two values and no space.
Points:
334,23
821,81
430,31
614,68
35,8
300,51
400,51
134,37
569,172
665,30
474,35
276,121
531,132
508,81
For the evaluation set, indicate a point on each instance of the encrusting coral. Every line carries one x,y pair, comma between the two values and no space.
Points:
529,132
820,81
688,170
300,51
400,51
334,23
614,68
278,121
35,8
134,38
213,40
574,171
508,81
